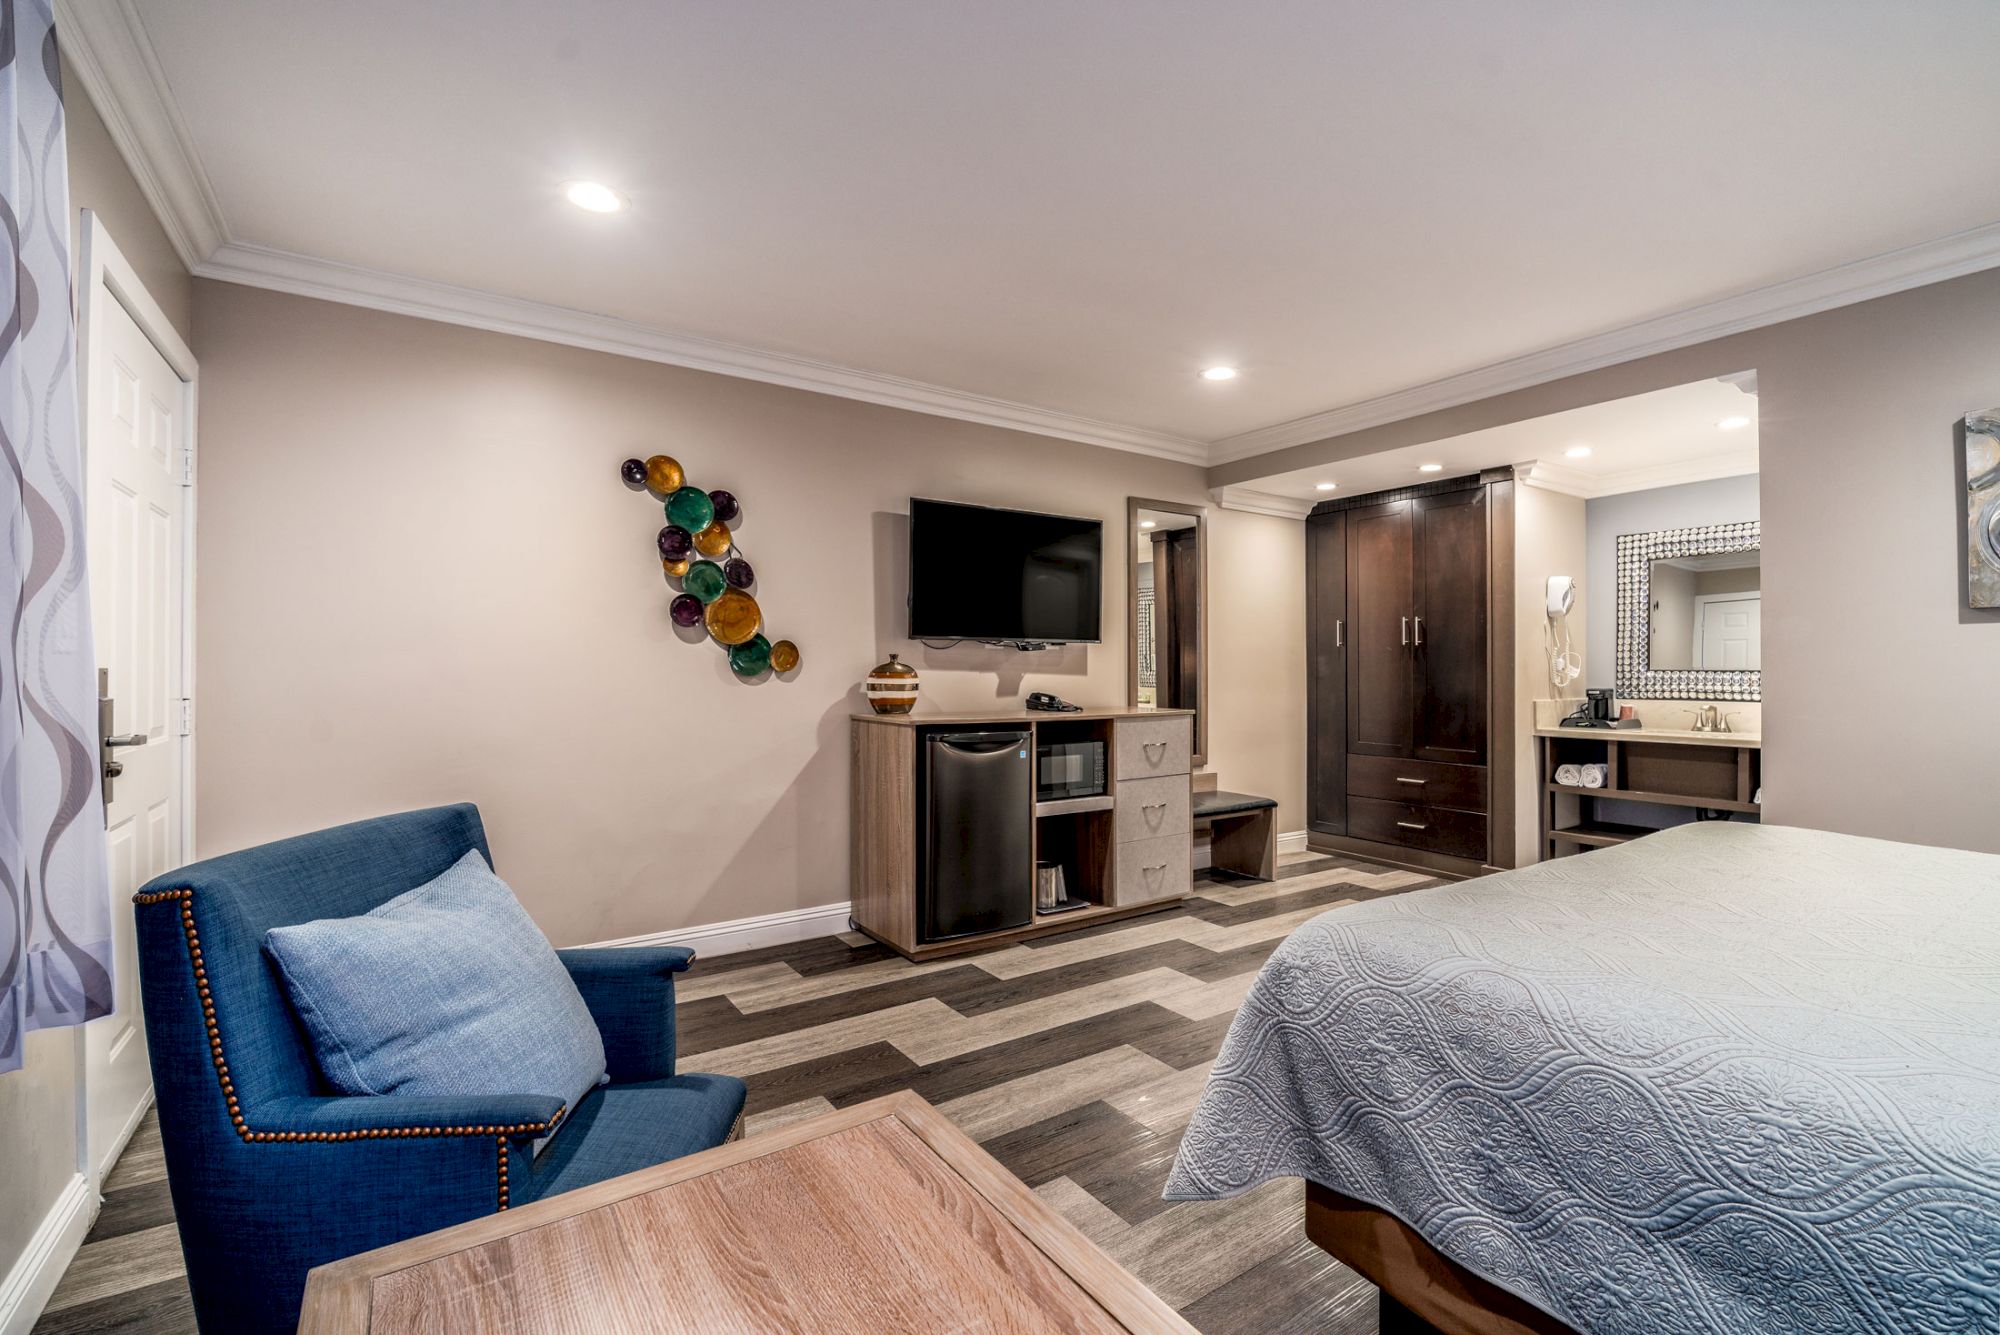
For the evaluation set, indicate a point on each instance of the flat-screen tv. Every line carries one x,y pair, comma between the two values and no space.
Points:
977,573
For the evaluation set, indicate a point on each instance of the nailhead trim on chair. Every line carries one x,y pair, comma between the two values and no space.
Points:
185,898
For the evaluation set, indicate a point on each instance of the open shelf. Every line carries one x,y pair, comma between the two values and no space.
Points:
1594,834
1081,839
1070,806
1664,799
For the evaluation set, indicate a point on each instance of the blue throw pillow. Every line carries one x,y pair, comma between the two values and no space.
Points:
449,989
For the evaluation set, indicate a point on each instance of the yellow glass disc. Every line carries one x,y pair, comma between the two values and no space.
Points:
733,618
713,540
664,475
784,656
674,568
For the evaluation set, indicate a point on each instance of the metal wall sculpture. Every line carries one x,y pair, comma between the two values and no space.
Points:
698,550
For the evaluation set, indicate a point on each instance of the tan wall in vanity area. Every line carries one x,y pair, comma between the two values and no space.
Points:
422,581
1863,566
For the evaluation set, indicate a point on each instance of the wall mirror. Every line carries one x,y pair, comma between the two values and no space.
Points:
1690,614
1168,553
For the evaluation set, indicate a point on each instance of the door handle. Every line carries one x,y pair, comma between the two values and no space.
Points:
1406,630
1420,628
128,739
1337,624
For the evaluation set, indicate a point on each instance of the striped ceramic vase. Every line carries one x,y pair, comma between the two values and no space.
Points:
892,687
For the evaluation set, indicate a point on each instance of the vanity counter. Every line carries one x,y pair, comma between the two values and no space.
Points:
1685,736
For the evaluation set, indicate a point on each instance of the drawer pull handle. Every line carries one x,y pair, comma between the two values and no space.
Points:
1418,782
1410,825
1154,806
1147,747
1150,870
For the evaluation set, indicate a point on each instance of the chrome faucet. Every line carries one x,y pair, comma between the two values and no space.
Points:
1709,718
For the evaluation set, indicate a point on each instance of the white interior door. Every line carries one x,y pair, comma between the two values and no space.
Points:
138,424
1730,629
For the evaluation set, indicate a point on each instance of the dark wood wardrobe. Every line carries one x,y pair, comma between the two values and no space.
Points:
1410,645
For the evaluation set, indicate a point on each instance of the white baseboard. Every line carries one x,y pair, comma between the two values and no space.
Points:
33,1278
124,1137
726,938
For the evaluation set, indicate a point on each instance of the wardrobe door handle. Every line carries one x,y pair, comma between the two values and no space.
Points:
1406,630
1337,624
1420,629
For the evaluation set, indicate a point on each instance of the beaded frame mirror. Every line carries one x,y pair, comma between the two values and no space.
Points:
1636,677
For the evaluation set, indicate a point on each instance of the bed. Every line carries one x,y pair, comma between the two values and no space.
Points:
1725,1078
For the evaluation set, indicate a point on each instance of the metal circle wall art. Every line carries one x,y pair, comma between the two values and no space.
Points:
697,548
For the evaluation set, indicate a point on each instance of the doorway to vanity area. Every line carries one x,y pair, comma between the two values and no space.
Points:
1464,594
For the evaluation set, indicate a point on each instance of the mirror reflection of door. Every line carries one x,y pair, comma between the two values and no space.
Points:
1706,613
1167,579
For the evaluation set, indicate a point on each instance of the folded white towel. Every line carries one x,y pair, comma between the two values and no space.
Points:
1758,796
1569,776
1593,776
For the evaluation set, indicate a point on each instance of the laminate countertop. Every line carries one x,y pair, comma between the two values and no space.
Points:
1685,736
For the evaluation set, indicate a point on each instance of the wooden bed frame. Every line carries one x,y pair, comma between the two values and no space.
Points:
1422,1290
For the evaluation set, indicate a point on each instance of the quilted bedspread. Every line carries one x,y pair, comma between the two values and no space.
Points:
1727,1077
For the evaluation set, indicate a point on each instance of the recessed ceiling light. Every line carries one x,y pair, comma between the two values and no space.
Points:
1324,486
593,197
1145,523
1577,452
1732,424
1430,468
1219,373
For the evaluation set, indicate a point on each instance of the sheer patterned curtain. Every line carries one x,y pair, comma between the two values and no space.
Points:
55,907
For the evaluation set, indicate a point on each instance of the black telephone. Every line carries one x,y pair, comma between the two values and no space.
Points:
1051,704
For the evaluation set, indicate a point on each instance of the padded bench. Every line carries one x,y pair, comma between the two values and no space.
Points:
1242,833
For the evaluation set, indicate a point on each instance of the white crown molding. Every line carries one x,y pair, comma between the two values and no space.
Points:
1260,502
302,275
107,46
1573,481
1877,276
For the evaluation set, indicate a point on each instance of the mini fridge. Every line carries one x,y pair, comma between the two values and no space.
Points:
976,817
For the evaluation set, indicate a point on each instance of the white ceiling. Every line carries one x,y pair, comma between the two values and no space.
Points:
1060,212
1661,439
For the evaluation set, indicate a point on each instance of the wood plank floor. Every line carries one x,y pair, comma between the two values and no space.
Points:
1075,1060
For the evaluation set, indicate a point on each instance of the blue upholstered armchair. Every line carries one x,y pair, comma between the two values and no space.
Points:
271,1174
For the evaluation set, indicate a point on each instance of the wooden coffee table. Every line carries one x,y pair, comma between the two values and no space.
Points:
880,1217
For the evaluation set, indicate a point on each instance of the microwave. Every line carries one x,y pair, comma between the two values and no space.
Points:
1068,769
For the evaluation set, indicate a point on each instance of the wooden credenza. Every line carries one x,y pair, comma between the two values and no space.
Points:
1409,674
1126,851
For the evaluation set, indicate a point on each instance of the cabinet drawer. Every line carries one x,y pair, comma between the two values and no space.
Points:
1144,747
1425,782
1151,869
1149,808
1459,834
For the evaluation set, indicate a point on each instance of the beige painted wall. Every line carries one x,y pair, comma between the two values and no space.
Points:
1863,565
38,1102
1548,540
421,581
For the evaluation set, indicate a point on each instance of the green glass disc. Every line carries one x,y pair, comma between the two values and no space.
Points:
751,657
704,580
691,509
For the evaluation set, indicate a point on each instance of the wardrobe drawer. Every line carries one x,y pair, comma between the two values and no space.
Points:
1144,747
1149,808
1426,782
1151,869
1460,834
